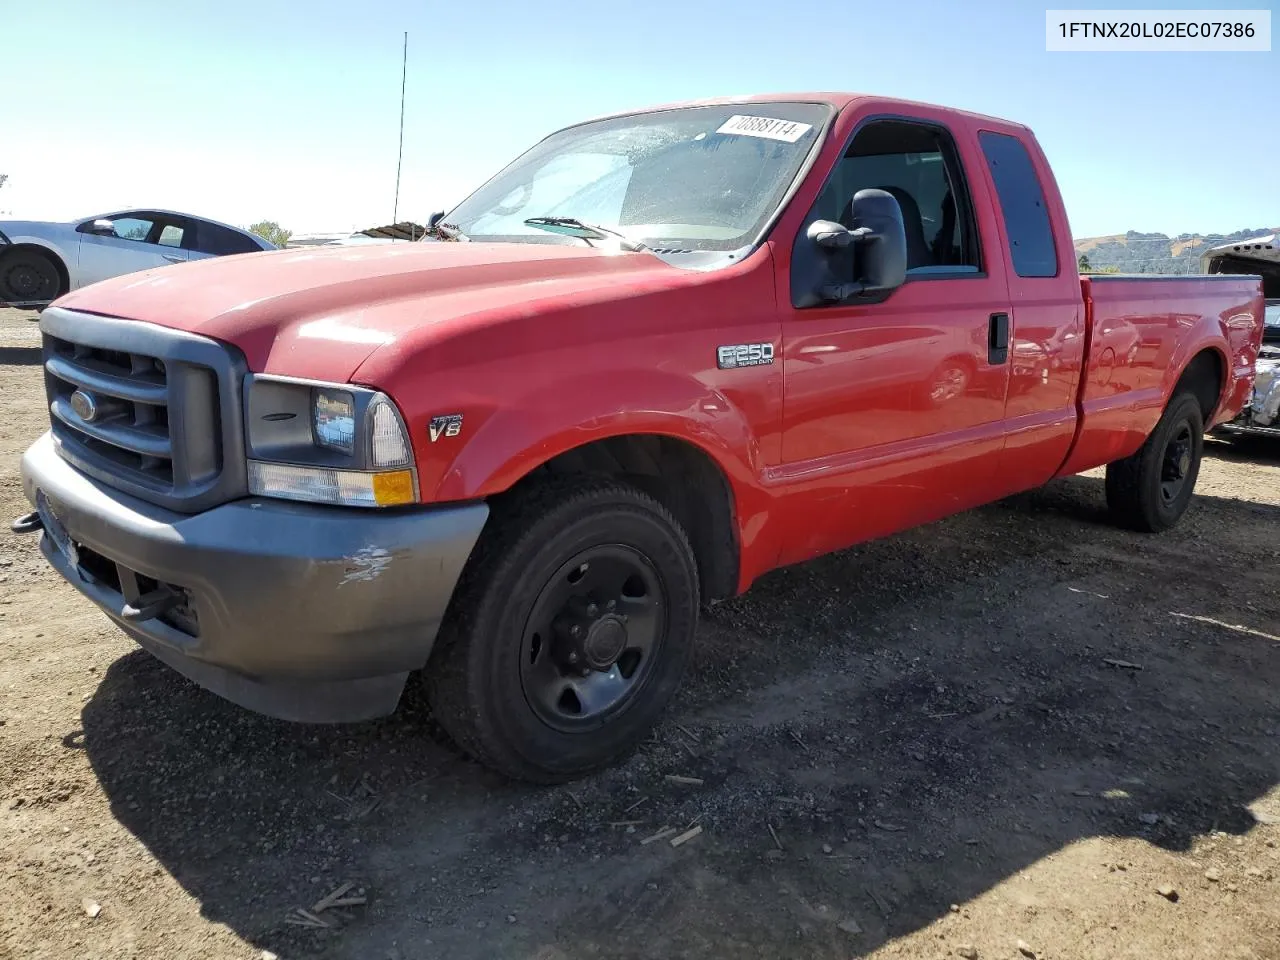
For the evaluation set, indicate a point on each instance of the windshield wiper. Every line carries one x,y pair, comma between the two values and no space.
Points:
572,227
447,231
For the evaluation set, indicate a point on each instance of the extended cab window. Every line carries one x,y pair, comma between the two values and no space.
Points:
1026,219
918,164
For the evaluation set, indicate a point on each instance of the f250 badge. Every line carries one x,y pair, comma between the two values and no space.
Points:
445,425
744,355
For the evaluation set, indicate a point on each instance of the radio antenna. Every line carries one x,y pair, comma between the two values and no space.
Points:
404,70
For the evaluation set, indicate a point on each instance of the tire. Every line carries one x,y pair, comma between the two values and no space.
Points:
508,672
1151,490
29,277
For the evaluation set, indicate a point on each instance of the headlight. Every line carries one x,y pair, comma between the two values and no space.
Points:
333,417
325,443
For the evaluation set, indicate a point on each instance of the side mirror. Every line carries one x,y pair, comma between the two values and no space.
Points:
881,259
434,219
878,243
102,228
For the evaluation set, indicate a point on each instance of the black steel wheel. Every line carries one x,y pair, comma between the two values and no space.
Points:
593,636
28,278
1151,490
570,632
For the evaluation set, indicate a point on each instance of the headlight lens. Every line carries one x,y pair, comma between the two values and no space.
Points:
333,417
326,443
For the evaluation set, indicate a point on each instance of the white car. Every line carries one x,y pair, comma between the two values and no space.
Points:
40,261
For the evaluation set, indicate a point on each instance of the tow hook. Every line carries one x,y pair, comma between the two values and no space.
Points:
27,523
151,605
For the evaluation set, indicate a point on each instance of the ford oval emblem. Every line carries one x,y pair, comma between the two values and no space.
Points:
84,405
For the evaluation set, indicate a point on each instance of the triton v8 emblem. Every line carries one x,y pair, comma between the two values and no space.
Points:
445,425
85,406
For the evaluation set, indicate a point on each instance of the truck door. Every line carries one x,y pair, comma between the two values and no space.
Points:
896,408
1046,345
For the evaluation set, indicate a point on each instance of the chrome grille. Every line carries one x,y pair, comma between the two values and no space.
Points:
146,409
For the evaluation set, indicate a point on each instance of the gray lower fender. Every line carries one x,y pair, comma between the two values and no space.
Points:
304,612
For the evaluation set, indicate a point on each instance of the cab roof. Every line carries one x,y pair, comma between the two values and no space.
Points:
838,100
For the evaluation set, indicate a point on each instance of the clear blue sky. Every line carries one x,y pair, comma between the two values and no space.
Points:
289,109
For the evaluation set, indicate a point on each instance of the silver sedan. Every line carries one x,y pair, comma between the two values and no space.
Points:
40,261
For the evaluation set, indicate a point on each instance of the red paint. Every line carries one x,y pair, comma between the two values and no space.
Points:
843,438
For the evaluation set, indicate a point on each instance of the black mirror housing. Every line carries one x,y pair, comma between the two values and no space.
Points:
881,259
101,228
832,262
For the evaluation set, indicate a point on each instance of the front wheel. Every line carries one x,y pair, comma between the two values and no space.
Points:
571,631
28,278
1151,490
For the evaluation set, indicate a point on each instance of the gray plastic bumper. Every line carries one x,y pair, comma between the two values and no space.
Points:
302,612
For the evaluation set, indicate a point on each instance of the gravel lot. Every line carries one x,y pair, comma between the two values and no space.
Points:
1015,725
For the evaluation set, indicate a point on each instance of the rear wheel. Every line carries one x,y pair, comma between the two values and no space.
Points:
570,633
1151,490
28,277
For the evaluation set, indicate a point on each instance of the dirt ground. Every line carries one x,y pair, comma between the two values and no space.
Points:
1016,725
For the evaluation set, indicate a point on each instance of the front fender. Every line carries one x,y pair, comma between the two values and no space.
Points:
530,429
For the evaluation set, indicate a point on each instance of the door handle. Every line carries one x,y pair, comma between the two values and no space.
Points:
172,259
998,339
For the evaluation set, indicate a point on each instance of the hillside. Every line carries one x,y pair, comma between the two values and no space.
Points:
1135,252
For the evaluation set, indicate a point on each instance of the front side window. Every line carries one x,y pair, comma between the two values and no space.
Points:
918,164
132,228
697,179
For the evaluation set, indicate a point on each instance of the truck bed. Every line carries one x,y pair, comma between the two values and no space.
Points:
1141,332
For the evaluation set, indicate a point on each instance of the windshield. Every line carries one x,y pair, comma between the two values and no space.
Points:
683,180
1273,313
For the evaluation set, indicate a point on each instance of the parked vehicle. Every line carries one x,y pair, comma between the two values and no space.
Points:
655,357
40,261
1261,414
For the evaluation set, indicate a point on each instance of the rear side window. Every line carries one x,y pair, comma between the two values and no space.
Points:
211,238
1026,218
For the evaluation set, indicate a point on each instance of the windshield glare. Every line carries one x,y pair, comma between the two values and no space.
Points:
696,179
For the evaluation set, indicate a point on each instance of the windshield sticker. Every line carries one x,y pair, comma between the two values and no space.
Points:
788,131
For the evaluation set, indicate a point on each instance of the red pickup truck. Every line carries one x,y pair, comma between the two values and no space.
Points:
656,356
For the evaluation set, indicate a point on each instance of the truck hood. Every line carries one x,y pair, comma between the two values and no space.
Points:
320,312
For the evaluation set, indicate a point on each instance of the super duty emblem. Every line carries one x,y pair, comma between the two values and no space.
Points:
445,425
744,355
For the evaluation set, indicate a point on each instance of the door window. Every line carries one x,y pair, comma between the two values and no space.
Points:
171,235
132,228
918,164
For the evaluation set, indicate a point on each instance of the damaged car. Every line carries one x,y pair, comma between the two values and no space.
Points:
1256,257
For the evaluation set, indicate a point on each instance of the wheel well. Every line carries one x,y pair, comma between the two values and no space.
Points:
681,477
64,278
1203,378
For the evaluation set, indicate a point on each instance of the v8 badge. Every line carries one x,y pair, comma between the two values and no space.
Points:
445,425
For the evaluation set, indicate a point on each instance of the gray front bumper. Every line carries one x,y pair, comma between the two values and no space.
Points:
304,612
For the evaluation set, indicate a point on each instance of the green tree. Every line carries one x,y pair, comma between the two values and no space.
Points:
1083,263
272,232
